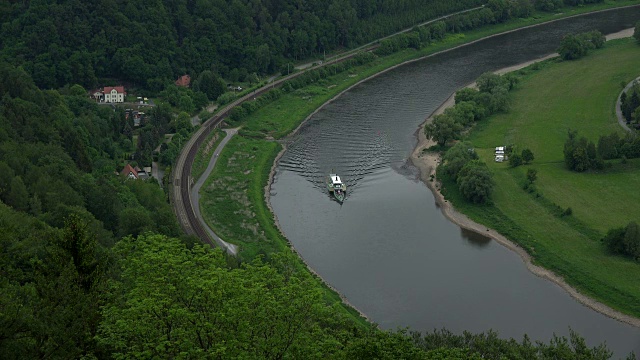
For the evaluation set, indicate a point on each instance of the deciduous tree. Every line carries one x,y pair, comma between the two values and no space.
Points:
442,129
527,156
475,182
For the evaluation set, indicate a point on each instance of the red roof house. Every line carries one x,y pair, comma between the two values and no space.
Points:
129,172
114,94
184,81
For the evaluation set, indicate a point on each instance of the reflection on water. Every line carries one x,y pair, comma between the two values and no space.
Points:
475,238
388,249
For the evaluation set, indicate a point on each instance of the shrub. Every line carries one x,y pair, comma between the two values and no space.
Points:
515,160
527,156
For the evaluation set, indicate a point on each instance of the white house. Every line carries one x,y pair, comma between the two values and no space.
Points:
114,94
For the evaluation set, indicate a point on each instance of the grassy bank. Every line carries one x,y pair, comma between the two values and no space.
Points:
205,152
233,201
578,95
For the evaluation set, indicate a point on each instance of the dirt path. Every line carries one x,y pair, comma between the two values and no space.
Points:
427,163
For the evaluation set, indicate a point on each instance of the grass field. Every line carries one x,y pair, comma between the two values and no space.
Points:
579,95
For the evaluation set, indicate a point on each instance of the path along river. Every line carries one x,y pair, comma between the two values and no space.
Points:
389,249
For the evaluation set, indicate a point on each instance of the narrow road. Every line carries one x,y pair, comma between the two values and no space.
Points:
195,194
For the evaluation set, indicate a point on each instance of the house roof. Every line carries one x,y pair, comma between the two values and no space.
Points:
119,89
128,169
184,80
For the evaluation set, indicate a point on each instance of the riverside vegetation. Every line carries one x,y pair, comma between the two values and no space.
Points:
563,230
94,266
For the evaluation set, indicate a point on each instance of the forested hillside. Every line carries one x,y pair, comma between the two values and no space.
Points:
93,265
150,43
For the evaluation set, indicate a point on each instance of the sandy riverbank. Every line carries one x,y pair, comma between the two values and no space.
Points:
427,163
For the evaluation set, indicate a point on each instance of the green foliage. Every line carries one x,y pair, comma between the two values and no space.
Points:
576,46
532,175
527,156
625,240
18,196
210,84
150,45
51,285
457,157
608,146
630,102
475,182
515,160
579,154
443,344
169,300
636,32
443,129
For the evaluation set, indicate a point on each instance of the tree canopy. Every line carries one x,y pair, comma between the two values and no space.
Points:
150,44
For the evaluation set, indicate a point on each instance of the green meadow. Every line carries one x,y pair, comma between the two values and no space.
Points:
558,96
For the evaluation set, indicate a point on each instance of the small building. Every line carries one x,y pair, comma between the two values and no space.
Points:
183,81
129,172
142,173
97,95
114,94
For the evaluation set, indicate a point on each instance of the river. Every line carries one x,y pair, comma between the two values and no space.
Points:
388,249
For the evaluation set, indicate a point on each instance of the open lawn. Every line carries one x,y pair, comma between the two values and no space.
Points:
561,95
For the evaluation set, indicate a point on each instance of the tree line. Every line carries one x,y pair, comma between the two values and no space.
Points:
149,44
460,162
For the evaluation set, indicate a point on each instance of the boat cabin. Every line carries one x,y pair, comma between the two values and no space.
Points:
335,181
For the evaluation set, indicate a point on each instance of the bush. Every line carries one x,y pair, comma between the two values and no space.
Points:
226,98
625,241
515,160
532,175
527,156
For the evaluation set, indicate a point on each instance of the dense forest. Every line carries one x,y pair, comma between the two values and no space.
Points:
94,265
150,43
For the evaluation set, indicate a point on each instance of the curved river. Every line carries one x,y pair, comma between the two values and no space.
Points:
389,249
